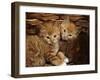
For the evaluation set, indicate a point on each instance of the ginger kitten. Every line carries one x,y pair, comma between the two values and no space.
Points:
69,35
43,49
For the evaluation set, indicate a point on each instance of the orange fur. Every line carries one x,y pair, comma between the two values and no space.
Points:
44,47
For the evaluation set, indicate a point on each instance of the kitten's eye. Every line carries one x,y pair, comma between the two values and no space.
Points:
64,30
48,37
55,36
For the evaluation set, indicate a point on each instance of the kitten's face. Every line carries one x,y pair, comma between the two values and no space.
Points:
50,32
69,30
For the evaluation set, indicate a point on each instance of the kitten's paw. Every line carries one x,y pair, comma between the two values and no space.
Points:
56,61
66,60
49,56
61,55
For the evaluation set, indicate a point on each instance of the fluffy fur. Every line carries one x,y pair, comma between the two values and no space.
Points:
76,42
69,34
43,49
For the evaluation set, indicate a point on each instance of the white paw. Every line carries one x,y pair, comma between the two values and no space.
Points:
65,62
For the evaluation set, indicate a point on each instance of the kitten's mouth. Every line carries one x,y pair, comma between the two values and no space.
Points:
64,38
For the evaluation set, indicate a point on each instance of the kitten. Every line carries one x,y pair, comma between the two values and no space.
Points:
43,49
69,35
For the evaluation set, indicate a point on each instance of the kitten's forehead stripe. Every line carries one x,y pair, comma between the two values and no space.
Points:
51,27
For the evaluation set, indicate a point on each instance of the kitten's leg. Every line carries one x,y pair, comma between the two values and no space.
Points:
64,59
56,59
59,59
61,55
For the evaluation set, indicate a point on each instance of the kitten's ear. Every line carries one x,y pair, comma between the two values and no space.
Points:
66,21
